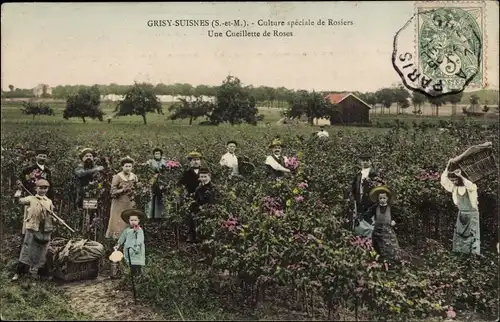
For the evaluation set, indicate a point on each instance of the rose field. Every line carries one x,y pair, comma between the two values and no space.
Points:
286,244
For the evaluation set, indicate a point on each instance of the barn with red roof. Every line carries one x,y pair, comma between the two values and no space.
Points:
351,109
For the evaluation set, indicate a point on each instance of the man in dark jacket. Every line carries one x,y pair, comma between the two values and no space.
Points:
85,173
36,171
189,178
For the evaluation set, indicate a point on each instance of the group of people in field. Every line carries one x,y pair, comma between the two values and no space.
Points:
374,216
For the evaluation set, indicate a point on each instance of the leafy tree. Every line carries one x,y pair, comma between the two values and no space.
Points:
192,110
401,95
312,105
140,99
385,97
34,109
436,102
234,104
45,91
11,88
454,99
84,104
417,99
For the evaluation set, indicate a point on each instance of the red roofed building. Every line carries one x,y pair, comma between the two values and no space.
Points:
352,109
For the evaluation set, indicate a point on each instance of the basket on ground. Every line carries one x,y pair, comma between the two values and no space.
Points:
77,271
477,162
75,260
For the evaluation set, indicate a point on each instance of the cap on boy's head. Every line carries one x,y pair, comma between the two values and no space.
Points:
204,171
233,142
42,183
365,157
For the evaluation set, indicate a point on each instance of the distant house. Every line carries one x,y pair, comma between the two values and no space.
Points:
352,109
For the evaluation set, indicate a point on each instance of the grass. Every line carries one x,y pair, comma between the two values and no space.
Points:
34,300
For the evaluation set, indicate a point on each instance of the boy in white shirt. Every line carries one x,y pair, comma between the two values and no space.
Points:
229,159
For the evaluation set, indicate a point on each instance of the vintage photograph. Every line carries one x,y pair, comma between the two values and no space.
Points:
332,161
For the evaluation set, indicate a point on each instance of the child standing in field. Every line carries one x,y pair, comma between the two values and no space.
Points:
384,239
132,240
39,228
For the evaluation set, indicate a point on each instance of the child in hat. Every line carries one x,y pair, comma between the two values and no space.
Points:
381,215
466,238
132,240
39,227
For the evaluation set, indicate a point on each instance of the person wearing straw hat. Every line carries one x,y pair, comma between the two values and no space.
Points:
85,172
381,214
275,163
466,237
39,228
132,240
190,176
122,193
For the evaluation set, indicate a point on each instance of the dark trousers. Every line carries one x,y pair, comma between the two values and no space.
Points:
136,270
23,269
191,221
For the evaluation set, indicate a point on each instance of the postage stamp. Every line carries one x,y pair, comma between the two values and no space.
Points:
448,55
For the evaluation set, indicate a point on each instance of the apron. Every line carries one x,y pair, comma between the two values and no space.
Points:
466,238
384,239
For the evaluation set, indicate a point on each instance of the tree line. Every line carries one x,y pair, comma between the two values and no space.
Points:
233,103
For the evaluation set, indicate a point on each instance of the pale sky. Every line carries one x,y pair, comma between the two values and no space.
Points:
102,43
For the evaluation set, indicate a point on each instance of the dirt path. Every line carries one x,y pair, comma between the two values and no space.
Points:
102,300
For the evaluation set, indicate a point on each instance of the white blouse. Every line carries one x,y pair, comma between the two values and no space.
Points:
275,165
468,187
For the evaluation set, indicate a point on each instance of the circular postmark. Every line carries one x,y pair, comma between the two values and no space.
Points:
449,51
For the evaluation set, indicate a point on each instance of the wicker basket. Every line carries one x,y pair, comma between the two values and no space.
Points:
478,165
77,271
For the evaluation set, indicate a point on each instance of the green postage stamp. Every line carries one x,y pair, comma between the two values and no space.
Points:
448,51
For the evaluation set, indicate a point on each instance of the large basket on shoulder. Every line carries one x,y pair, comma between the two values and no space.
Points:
478,164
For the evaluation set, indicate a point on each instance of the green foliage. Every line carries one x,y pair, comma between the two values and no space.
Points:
84,104
190,109
234,104
35,301
304,245
312,105
139,100
34,109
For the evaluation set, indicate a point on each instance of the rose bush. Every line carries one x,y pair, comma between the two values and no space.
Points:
292,232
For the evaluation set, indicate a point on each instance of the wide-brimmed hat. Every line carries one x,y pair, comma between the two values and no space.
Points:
85,151
126,160
194,155
276,142
42,183
374,192
133,212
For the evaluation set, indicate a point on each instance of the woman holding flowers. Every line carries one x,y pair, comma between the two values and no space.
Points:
155,208
466,238
122,194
